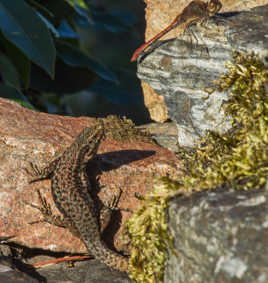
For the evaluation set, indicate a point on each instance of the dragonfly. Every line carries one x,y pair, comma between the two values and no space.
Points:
196,11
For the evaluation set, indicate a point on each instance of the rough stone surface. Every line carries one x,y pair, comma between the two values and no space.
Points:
220,237
14,270
155,104
183,70
83,272
14,276
8,271
159,14
29,136
165,134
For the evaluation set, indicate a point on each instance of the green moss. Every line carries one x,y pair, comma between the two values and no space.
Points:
238,158
149,235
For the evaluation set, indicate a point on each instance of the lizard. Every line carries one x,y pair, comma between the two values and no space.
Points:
70,189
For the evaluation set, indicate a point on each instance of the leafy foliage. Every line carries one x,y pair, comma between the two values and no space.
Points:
39,49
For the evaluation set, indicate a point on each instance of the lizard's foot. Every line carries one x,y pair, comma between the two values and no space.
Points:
35,172
108,206
47,214
112,201
49,217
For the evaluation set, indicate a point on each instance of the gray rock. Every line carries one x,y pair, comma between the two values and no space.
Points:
9,272
83,272
13,270
183,70
219,237
165,134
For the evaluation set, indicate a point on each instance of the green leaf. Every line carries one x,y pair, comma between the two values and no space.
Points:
79,3
61,9
23,27
19,60
67,79
40,8
75,58
8,72
15,95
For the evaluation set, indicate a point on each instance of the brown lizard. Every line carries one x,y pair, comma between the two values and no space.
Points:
70,190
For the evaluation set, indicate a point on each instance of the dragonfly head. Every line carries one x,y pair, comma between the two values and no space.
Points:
213,7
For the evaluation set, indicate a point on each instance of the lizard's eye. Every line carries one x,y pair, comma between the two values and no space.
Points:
214,6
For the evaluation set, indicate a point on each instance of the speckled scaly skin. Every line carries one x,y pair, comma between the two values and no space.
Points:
70,186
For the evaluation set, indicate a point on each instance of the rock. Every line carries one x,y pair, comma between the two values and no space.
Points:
159,14
95,272
165,134
9,273
29,136
219,237
155,104
183,70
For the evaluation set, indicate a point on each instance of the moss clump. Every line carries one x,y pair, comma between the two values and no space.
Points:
149,235
238,158
125,130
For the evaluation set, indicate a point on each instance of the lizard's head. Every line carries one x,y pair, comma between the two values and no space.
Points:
213,7
90,138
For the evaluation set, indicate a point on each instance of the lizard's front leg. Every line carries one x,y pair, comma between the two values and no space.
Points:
38,173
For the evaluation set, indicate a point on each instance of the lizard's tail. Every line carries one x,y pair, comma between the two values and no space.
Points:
115,260
107,256
84,218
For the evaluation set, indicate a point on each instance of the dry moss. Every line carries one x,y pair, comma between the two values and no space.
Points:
238,158
125,130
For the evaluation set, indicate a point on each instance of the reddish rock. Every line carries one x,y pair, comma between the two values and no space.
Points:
28,136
